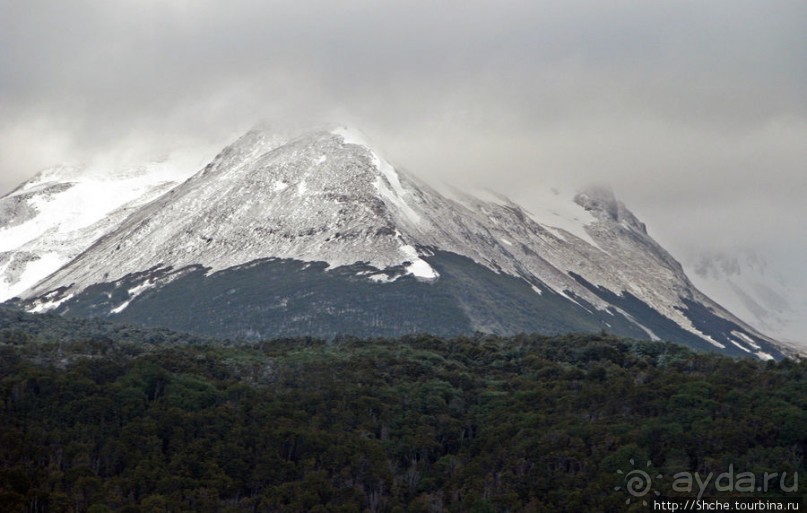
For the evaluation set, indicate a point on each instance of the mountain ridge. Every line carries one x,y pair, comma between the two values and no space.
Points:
60,212
328,196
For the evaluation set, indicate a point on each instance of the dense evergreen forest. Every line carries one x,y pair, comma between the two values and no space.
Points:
98,418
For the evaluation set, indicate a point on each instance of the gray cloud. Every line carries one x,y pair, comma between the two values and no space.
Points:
695,112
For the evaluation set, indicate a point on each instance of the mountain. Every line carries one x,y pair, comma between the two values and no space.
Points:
319,235
744,282
52,218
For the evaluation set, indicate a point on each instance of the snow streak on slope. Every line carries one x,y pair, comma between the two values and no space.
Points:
387,183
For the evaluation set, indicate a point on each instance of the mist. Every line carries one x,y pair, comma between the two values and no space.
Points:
695,113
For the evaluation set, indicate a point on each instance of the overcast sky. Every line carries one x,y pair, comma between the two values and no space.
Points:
694,112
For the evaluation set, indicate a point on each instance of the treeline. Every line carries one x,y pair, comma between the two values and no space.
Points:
421,424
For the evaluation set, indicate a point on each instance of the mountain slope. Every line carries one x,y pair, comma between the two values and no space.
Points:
50,219
325,236
747,285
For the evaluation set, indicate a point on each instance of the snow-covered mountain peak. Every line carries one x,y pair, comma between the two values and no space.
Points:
315,197
309,152
244,150
328,196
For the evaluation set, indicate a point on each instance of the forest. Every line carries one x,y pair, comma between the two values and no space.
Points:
101,418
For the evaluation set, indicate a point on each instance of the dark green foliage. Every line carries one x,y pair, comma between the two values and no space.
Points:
272,298
477,424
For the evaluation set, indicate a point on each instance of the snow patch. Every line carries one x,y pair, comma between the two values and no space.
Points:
553,209
133,293
47,305
418,267
139,289
120,307
745,338
382,278
739,345
704,336
763,355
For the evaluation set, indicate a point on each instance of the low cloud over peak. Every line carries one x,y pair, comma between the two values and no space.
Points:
694,112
